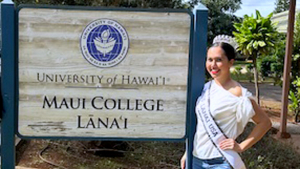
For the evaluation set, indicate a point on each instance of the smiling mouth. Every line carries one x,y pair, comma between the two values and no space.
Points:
214,71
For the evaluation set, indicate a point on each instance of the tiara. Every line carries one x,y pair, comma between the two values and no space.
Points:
226,39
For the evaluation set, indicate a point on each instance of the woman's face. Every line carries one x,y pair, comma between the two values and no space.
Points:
217,64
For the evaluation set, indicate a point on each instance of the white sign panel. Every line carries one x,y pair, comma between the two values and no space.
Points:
103,74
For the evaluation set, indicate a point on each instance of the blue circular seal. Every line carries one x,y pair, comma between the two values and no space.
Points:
104,43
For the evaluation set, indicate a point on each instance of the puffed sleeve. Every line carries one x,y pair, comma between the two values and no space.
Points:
244,110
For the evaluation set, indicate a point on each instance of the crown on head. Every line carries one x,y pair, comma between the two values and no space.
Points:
226,39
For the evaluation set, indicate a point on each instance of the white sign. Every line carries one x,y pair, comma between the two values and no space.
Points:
95,73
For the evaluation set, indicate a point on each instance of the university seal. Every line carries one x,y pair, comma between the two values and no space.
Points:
104,43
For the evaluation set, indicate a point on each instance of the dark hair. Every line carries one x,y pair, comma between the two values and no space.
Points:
227,48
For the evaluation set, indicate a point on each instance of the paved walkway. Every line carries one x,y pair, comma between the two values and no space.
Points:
270,95
268,92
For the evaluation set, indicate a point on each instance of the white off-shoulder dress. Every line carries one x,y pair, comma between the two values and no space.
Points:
230,112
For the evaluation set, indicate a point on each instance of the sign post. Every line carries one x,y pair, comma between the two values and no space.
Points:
8,67
198,73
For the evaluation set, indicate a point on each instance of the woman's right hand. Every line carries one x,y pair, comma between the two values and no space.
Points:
183,161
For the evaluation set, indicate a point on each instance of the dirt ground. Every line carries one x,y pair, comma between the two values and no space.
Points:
41,154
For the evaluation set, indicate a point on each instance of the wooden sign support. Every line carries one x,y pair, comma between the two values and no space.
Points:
8,71
198,73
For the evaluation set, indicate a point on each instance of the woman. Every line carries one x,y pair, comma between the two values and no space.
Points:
231,107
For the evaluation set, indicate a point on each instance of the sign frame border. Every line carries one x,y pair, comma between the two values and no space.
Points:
189,111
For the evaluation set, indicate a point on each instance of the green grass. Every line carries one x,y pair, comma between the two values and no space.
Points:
238,62
242,77
249,77
269,153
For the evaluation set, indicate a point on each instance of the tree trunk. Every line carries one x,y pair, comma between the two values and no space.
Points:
256,80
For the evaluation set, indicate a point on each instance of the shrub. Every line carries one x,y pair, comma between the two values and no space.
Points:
269,153
265,66
237,71
294,97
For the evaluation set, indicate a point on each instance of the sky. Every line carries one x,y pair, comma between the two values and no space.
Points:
265,7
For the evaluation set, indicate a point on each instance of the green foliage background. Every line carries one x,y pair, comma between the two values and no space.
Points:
221,17
281,5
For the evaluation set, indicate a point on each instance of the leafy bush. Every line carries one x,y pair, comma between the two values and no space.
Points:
249,72
271,67
277,69
238,68
249,66
294,97
265,66
269,153
237,72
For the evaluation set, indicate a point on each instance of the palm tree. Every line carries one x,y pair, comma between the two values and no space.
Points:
256,36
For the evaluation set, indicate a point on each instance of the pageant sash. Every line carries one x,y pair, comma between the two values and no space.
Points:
213,130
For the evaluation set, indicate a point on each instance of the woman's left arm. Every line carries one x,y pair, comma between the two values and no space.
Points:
263,124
